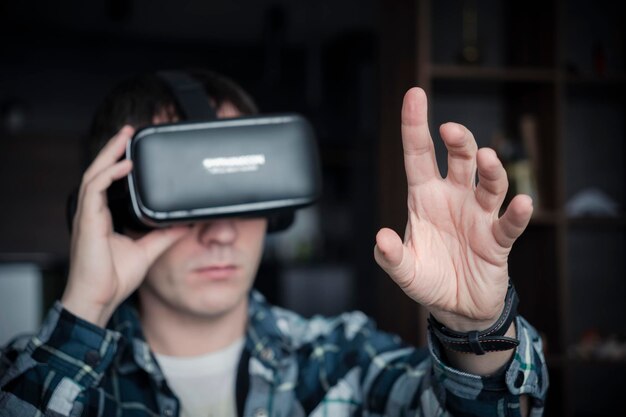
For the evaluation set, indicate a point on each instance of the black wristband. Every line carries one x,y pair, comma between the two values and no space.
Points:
481,342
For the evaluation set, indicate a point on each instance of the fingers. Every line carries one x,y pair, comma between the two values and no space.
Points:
110,153
419,151
93,199
462,150
105,164
492,180
157,241
394,258
514,220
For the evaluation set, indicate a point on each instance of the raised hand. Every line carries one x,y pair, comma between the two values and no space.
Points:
106,267
453,259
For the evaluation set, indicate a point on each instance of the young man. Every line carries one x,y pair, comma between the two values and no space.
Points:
197,341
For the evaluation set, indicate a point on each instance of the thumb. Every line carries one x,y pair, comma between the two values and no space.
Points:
394,258
157,241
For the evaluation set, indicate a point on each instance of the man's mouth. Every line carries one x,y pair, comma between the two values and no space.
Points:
215,272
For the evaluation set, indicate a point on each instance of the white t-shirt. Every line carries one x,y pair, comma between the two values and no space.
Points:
205,385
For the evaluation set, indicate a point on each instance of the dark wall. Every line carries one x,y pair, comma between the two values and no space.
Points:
59,60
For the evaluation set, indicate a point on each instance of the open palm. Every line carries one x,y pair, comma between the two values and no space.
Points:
453,259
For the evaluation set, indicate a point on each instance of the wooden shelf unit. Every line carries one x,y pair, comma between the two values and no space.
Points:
568,269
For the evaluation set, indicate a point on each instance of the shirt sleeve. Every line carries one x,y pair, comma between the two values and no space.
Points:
398,380
49,372
466,394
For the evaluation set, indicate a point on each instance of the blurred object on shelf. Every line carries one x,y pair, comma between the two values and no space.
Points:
530,142
520,174
520,158
593,345
591,202
470,52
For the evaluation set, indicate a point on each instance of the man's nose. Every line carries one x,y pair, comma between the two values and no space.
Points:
220,231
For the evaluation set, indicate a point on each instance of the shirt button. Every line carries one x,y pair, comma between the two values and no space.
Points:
168,411
267,354
261,412
92,358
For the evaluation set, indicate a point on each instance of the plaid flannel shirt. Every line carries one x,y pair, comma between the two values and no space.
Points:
291,366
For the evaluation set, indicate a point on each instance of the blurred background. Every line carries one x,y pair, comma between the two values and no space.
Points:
542,82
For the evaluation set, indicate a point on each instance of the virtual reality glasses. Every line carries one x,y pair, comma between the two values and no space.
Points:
249,166
231,167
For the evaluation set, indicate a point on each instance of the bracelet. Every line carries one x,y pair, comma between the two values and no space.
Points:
481,342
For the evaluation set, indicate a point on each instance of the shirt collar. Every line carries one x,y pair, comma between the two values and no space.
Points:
264,340
135,352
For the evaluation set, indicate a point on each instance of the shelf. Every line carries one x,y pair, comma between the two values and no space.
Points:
549,72
597,80
560,361
475,73
545,218
619,221
521,74
552,218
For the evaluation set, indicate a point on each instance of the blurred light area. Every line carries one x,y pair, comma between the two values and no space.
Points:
20,300
302,242
327,290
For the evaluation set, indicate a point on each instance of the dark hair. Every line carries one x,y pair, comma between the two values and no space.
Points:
136,100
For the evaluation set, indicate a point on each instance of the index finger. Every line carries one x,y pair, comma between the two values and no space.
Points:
110,153
419,151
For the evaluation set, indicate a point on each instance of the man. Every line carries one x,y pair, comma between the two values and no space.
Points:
197,341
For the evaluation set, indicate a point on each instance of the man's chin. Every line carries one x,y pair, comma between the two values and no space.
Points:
218,306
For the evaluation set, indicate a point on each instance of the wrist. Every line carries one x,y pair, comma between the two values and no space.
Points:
481,317
480,341
460,323
93,313
488,364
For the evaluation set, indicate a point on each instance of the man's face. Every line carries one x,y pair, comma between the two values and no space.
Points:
210,270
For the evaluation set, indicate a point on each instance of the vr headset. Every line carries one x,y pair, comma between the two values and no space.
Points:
204,168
